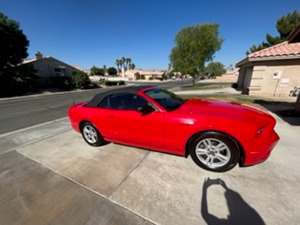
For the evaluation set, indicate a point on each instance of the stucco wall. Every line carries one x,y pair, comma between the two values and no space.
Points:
265,83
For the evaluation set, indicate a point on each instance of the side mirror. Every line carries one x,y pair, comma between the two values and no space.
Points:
146,109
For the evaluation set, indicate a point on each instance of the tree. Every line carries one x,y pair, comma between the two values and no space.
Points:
131,66
123,60
13,43
124,64
80,80
214,69
127,63
112,71
15,79
194,46
97,71
285,25
104,69
118,64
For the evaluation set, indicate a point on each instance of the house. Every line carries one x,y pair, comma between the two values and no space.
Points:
141,74
47,67
272,72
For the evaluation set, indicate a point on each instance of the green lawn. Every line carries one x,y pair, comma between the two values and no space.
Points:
205,86
226,97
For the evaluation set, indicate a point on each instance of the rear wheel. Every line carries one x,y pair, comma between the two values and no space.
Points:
214,151
91,135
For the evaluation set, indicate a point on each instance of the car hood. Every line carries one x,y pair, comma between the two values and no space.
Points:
229,110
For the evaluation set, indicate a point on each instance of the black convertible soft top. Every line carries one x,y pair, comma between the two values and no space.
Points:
115,90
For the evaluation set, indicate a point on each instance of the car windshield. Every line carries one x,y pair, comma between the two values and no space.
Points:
167,99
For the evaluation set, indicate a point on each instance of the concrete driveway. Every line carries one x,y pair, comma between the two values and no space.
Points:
58,179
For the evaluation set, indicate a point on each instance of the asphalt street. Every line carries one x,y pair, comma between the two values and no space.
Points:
19,113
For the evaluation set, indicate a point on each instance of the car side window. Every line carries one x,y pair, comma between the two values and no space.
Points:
104,103
127,101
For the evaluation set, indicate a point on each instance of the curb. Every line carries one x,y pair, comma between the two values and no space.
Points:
13,140
44,94
32,127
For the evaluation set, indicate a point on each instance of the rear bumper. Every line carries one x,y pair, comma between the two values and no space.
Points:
260,148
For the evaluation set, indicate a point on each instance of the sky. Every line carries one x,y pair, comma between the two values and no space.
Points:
97,32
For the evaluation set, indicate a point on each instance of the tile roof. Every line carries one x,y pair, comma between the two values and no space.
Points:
281,49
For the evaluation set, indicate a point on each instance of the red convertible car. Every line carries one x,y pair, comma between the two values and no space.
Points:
218,135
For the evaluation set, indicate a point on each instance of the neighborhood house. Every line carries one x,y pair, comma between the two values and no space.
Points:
47,67
139,74
274,71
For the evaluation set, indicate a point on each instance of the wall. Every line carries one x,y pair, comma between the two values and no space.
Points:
265,83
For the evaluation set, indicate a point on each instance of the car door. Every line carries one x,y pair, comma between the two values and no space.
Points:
131,126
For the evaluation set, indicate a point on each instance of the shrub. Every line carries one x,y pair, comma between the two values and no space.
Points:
97,71
61,82
214,69
80,80
112,71
114,83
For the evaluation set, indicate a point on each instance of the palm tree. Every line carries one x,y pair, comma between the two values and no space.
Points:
123,60
124,64
128,62
105,69
117,64
131,66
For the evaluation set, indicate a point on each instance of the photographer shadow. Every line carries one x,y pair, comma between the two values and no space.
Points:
240,212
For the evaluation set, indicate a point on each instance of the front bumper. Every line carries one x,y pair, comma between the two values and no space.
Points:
260,147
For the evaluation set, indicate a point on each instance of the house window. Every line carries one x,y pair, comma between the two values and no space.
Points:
60,71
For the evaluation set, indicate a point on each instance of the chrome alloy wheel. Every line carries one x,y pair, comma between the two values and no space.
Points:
212,152
90,134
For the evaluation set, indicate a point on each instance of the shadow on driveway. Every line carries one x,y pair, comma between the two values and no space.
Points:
240,212
285,110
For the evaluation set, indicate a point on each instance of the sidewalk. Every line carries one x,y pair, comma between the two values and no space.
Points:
227,90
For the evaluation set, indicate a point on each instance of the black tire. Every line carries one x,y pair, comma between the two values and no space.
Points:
98,137
233,156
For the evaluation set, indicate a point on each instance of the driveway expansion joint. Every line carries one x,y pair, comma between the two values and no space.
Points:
130,172
95,192
33,142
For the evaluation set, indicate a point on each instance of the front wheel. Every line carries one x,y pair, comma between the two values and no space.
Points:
91,135
214,151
